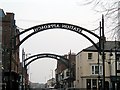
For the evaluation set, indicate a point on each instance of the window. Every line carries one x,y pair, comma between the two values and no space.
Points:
104,55
90,55
67,73
91,84
92,69
88,82
94,83
96,69
100,69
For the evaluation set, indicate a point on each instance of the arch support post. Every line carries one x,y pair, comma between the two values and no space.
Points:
103,53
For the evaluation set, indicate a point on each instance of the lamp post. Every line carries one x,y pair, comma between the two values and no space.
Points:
26,56
23,57
24,70
99,58
26,73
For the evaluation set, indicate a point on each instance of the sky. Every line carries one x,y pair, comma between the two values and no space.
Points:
29,13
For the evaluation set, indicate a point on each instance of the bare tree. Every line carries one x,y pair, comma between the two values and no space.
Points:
111,11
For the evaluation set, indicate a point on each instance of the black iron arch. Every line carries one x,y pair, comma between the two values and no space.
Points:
66,26
47,55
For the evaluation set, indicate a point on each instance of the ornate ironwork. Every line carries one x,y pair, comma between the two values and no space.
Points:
47,55
43,27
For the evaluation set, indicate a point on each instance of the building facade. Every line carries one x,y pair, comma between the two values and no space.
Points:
1,66
89,67
65,76
51,83
10,58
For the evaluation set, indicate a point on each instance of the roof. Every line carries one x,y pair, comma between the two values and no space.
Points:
109,45
2,14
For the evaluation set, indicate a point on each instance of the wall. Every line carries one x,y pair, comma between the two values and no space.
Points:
84,70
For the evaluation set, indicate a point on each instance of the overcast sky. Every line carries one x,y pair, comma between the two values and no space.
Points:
29,13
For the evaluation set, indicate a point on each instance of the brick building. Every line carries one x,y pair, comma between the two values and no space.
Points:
10,58
65,76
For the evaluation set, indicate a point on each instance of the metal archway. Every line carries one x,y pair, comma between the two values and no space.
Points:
47,55
66,26
48,26
71,27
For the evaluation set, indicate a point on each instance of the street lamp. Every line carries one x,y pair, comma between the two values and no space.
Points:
26,56
23,64
26,72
